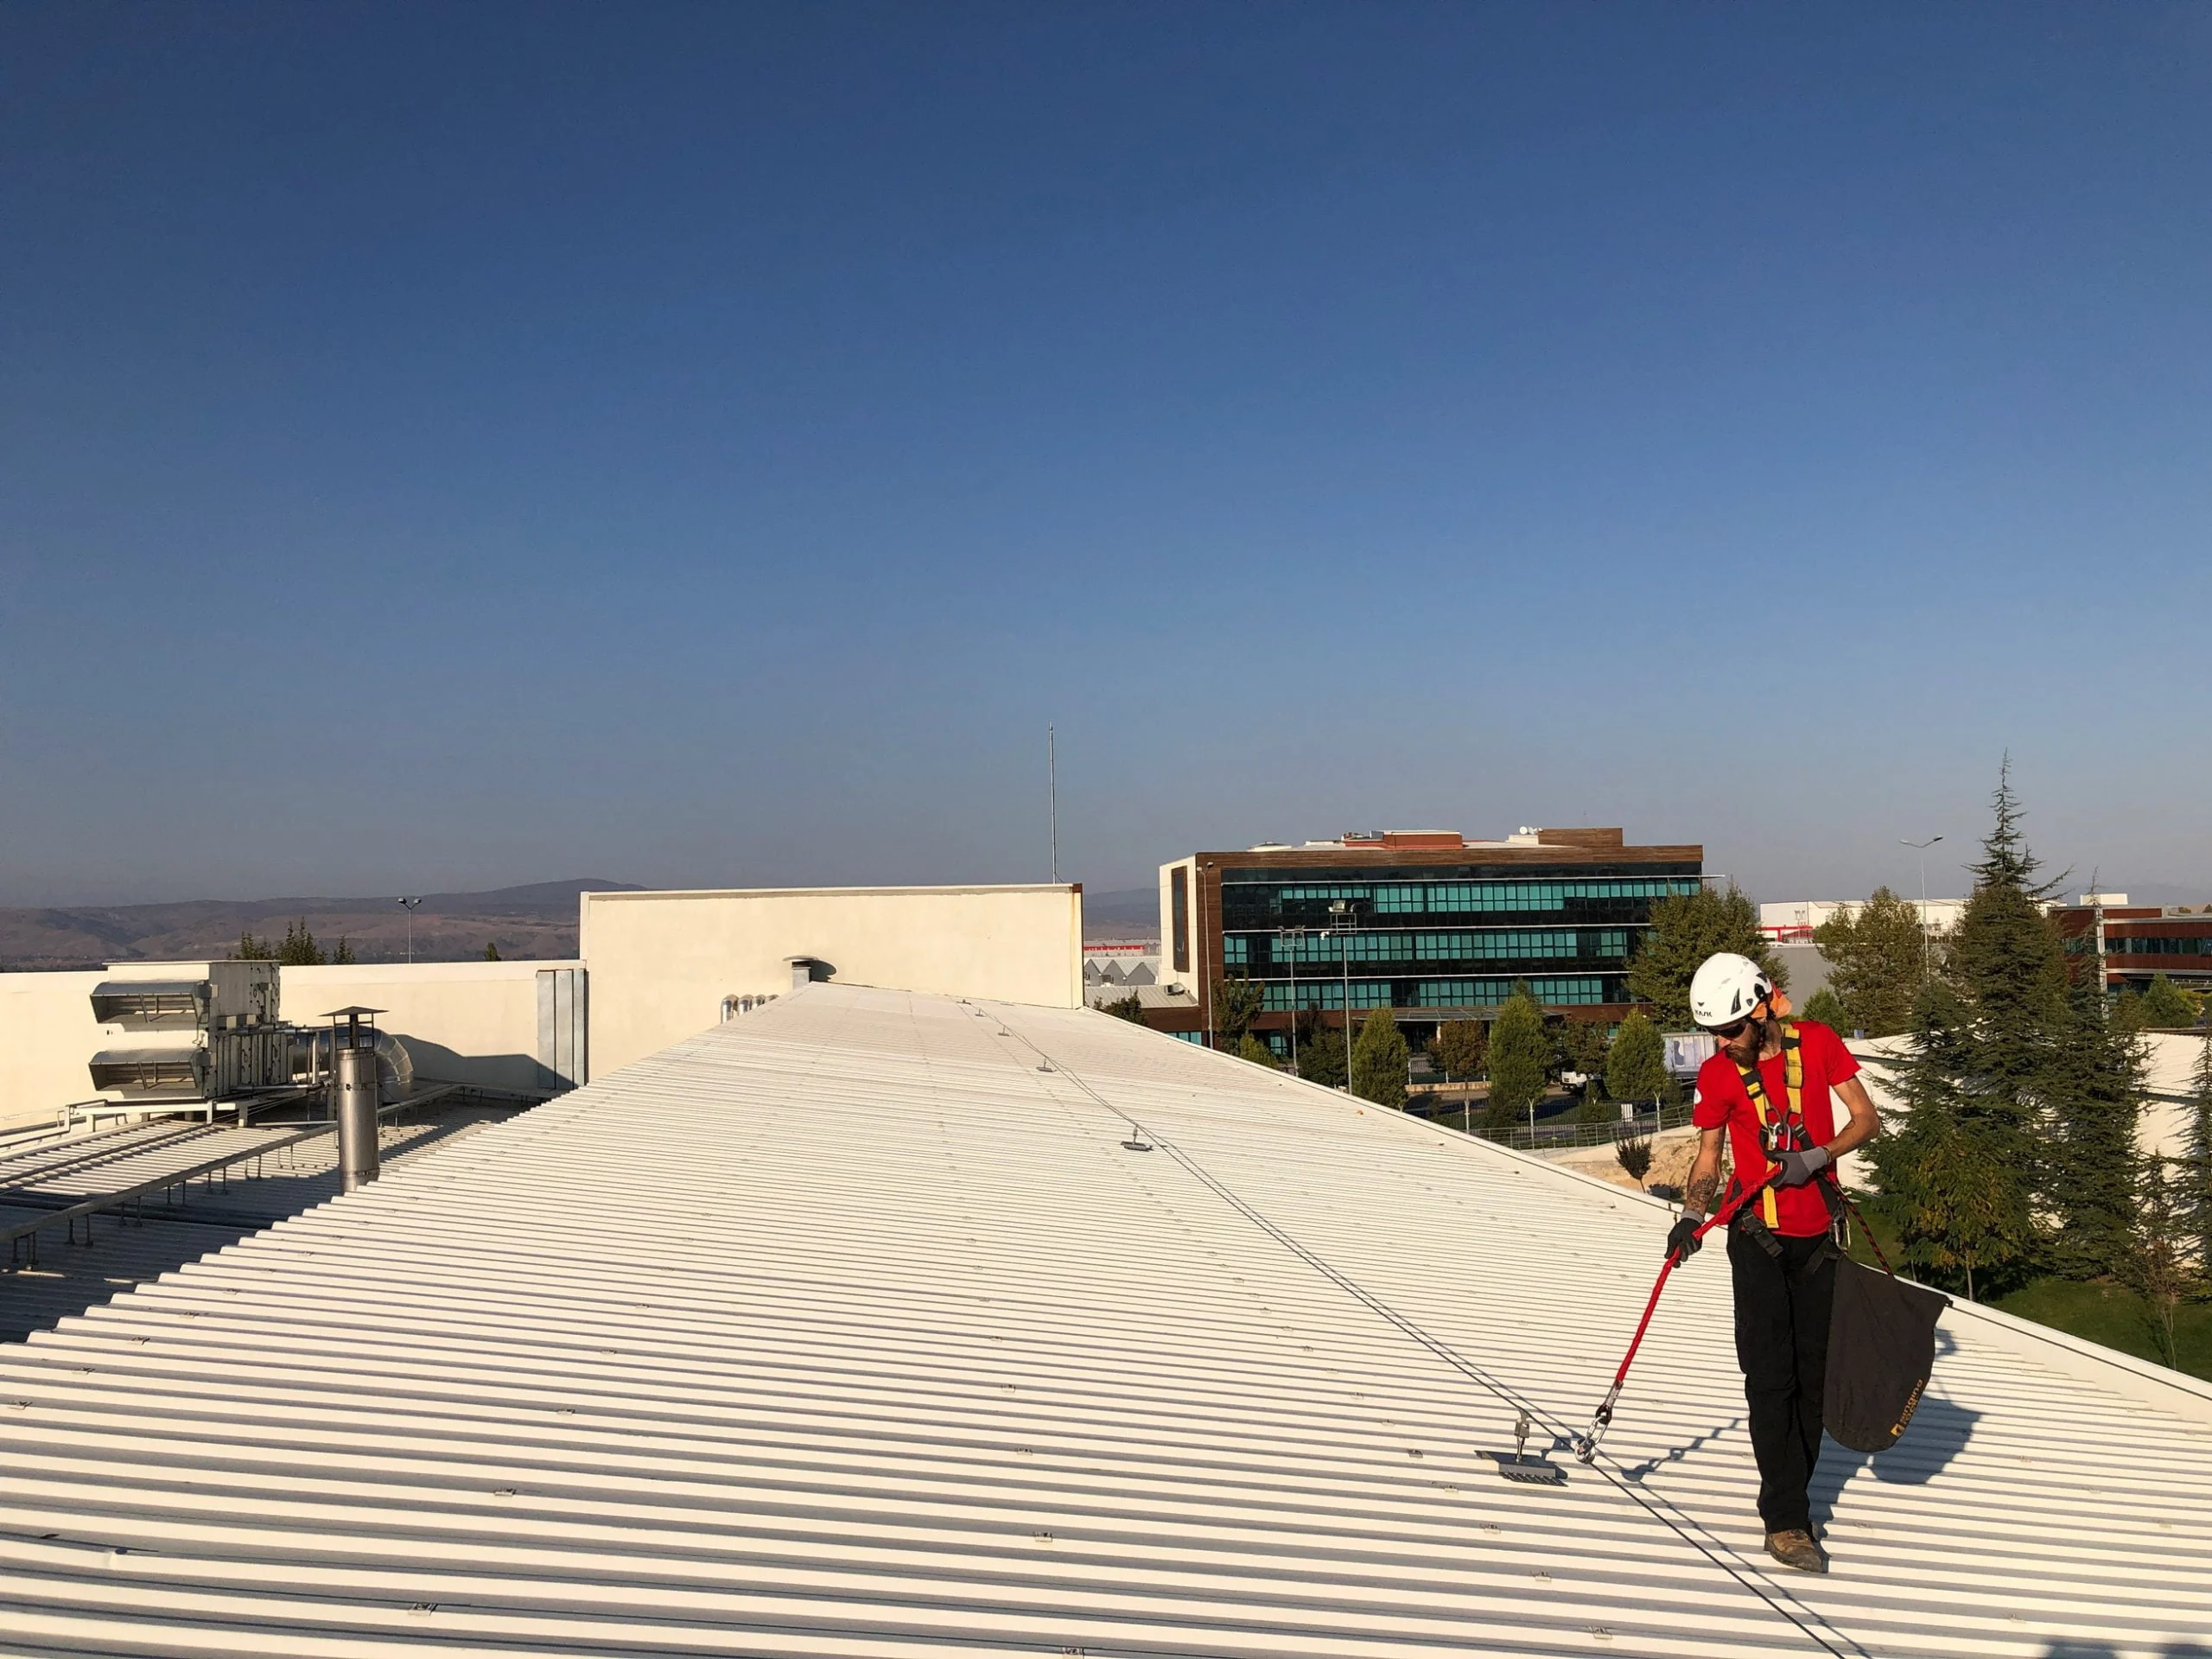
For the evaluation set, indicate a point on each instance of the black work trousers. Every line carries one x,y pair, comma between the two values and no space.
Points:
1782,1304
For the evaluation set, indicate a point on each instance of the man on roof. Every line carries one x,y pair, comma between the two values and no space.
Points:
1770,1092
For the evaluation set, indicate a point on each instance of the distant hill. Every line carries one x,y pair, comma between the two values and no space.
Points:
1130,913
534,922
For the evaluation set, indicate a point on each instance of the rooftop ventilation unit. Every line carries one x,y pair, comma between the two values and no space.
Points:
151,1075
151,1004
221,1018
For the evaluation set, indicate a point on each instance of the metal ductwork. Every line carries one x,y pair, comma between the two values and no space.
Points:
313,1059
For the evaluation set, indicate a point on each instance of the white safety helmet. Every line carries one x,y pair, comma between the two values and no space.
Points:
1726,987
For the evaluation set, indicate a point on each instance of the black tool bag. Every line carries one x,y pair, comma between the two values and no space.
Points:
1881,1352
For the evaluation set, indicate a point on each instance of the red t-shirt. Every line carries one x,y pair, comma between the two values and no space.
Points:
1800,1211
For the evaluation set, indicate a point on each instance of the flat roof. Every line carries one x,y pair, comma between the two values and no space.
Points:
850,1328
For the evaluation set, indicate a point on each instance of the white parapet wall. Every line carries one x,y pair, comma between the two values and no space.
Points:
47,1039
663,964
472,1022
498,1025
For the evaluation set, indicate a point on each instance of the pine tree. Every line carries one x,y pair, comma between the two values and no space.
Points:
2092,1094
1520,1061
1960,1208
1378,1060
343,956
491,950
1876,953
1686,928
1321,1056
252,950
2007,963
2005,957
2194,1198
2127,1011
299,949
2156,1263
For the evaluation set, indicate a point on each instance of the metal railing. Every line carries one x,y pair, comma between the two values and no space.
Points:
1562,1136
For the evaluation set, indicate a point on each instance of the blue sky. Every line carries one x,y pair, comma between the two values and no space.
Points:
449,446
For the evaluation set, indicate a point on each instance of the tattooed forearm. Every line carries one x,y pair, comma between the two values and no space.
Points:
1704,1184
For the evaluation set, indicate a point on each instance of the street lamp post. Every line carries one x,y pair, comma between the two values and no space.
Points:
1298,936
1922,846
410,906
1341,911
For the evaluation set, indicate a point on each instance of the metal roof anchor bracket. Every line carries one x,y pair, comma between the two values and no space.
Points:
1518,1465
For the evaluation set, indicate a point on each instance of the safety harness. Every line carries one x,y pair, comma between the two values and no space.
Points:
1784,1131
1778,1131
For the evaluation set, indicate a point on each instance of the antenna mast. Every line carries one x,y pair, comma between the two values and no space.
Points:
1052,792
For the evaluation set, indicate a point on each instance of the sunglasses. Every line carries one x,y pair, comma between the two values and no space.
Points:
1729,1033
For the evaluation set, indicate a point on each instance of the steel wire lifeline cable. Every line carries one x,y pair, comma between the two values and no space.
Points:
1810,1622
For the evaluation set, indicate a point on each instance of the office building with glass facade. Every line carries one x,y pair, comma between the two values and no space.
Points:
2134,943
1427,924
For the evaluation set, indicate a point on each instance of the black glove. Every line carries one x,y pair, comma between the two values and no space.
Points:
1799,1168
1683,1241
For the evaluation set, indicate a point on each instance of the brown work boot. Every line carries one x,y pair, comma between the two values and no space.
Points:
1797,1549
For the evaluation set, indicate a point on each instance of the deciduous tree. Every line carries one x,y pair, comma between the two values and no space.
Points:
1236,1003
1826,1007
1378,1060
1876,955
1520,1061
1458,1048
1967,1214
1636,1069
2165,1007
1578,1045
1129,1008
1255,1049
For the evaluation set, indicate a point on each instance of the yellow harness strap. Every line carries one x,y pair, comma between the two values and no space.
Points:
1792,1072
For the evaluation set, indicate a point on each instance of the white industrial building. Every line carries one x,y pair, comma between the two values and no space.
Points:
1793,921
882,1324
655,967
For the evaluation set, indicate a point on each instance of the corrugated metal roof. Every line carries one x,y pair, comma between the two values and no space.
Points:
847,1329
